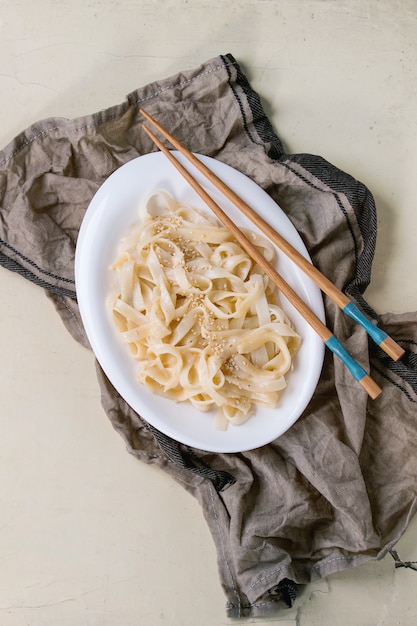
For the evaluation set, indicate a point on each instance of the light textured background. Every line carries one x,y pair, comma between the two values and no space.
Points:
88,535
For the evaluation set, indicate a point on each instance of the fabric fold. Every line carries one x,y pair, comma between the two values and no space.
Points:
338,488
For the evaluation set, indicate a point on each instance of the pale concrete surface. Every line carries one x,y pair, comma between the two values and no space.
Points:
88,535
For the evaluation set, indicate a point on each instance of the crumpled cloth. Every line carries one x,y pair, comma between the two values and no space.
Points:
339,487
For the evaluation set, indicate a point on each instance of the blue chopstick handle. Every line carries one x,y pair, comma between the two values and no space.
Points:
354,368
376,333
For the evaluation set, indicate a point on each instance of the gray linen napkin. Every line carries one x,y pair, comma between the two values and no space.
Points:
339,488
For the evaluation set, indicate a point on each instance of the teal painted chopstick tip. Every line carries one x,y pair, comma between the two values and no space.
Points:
378,335
336,347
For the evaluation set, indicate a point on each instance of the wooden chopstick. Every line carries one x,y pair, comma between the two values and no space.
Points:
326,335
379,336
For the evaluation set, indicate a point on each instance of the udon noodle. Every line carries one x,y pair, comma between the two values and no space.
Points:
201,319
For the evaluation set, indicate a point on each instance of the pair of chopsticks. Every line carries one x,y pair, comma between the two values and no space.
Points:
379,336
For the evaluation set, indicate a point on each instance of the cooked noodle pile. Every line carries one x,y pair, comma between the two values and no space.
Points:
200,317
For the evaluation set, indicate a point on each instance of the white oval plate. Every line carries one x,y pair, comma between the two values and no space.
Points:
112,210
